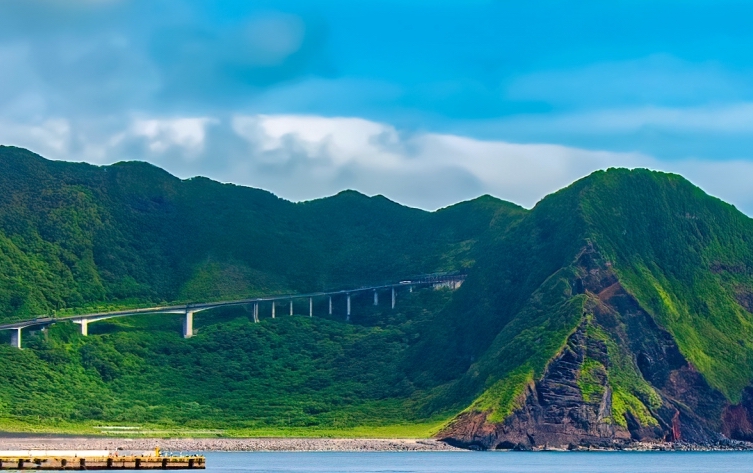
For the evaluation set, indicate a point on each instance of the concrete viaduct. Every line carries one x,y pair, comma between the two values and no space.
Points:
188,310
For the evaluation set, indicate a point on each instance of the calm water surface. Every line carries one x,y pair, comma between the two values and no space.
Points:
480,462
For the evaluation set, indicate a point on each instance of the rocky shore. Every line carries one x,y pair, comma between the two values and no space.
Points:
225,444
31,442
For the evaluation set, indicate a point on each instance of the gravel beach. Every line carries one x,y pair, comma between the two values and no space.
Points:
224,444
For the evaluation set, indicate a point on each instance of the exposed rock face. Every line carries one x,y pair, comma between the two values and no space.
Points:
555,412
737,421
744,297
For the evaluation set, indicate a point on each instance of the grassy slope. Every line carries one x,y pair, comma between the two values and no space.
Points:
285,375
684,255
665,237
511,316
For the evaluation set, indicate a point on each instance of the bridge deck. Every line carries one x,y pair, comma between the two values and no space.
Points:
197,307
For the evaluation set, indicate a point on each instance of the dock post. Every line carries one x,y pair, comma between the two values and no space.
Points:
15,338
330,305
311,306
410,288
376,297
84,327
393,297
187,325
347,317
273,309
291,306
256,312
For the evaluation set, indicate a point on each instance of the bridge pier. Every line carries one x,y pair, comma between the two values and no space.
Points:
187,325
436,281
15,338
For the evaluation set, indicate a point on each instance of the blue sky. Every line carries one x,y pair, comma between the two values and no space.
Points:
425,102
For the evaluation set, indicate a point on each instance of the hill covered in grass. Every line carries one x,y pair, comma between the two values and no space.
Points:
623,316
618,309
74,235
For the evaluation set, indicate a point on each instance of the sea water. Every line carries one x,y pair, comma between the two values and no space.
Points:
480,462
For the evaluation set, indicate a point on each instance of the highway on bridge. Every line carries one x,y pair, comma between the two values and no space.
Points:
187,310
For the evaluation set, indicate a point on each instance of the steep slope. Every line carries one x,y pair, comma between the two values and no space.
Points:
634,327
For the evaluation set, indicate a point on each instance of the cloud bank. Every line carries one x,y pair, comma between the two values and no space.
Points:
302,157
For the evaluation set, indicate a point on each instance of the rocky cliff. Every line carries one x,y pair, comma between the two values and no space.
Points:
616,345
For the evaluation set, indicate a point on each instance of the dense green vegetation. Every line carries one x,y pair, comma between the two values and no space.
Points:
684,255
687,260
75,237
283,374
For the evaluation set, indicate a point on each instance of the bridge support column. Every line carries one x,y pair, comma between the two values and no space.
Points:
330,305
187,325
347,317
273,309
376,298
291,306
311,306
256,312
393,297
84,327
15,338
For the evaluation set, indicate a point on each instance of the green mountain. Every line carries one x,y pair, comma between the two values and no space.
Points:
618,309
78,236
75,237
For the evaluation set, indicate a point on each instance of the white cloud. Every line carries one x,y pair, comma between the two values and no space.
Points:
164,134
376,158
303,157
49,137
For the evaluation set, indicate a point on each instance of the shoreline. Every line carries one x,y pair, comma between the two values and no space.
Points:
11,441
259,444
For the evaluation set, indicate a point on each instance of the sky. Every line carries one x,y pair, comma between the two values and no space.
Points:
426,102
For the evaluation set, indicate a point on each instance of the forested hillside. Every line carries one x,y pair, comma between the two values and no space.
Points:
618,309
76,235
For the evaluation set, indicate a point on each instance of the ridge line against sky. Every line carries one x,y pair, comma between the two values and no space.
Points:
427,104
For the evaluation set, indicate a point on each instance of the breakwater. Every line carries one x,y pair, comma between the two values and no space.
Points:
96,460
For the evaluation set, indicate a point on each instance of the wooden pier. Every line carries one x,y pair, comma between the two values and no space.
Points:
97,460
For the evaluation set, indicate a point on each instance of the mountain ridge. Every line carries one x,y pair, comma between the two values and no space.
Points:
616,310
